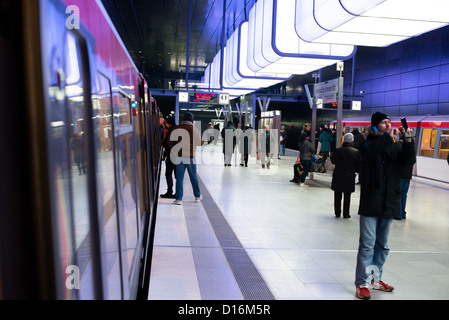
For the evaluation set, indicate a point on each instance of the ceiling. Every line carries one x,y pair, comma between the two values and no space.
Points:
155,32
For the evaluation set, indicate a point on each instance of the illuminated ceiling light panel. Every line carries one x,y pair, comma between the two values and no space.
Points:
212,79
368,22
274,46
237,72
245,84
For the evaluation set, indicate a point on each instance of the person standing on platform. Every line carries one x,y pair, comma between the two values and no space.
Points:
282,140
210,133
229,142
306,151
246,141
324,144
405,173
216,132
380,156
266,139
347,162
334,140
358,138
184,140
170,168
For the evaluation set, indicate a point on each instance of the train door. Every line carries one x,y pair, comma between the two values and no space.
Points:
115,186
70,159
151,138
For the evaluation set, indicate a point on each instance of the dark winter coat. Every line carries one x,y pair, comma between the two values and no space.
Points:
246,140
380,158
165,140
228,146
187,147
266,140
306,149
406,172
347,162
358,139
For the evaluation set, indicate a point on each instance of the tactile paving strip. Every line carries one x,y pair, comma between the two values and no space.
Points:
250,282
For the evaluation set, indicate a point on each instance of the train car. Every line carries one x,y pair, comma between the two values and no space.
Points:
432,145
81,131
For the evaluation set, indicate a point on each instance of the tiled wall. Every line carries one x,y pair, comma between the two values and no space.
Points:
407,78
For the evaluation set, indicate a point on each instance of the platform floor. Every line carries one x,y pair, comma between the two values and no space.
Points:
255,235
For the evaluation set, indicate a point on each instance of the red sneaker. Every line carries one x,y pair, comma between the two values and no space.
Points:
382,286
363,293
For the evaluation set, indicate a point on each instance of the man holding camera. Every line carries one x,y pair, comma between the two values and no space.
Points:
381,154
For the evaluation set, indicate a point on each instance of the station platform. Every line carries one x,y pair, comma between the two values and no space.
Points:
257,236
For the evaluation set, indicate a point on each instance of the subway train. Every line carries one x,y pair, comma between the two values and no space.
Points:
81,156
432,141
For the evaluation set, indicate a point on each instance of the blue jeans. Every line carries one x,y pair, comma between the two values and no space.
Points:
373,249
306,165
190,165
405,184
282,149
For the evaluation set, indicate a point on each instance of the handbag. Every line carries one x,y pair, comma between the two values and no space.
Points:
299,167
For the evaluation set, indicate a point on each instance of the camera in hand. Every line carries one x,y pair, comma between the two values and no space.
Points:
405,126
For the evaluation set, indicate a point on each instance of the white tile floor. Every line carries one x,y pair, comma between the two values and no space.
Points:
293,238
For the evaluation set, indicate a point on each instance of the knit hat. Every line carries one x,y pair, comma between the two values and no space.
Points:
377,118
348,138
171,121
188,116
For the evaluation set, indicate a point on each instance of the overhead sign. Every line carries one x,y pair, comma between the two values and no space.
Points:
326,92
203,97
183,96
224,98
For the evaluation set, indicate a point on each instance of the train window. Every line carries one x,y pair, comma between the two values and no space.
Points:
428,140
78,170
107,203
443,149
126,174
124,109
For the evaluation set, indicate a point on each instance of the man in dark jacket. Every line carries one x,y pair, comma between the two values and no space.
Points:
347,162
184,140
380,192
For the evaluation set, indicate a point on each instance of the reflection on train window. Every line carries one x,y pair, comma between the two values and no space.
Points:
428,140
79,220
107,206
126,176
124,109
443,149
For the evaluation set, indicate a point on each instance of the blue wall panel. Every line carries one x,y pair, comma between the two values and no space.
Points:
407,78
